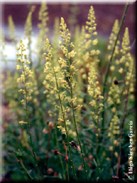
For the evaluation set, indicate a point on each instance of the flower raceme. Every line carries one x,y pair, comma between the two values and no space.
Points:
26,74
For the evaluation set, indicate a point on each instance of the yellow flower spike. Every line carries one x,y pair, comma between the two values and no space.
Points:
125,42
112,38
12,29
28,25
43,18
115,28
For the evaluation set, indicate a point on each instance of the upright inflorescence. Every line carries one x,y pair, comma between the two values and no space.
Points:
82,56
43,17
2,47
49,81
114,94
91,25
110,47
68,65
71,72
55,44
91,40
127,61
55,80
114,131
25,79
113,37
96,102
25,85
28,26
12,31
28,33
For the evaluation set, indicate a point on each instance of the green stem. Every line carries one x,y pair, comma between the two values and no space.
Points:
65,125
112,153
48,147
97,139
60,157
75,125
23,166
30,136
111,58
28,124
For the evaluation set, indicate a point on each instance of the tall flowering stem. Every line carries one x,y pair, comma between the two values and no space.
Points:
96,105
71,72
111,58
25,79
60,157
52,79
129,75
63,114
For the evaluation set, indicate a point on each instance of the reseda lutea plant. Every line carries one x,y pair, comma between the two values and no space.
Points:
70,122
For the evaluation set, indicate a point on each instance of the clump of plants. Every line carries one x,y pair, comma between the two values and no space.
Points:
69,107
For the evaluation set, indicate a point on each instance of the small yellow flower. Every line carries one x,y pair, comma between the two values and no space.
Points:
112,68
107,159
109,134
60,42
63,130
94,33
97,52
111,148
47,59
115,142
18,59
25,56
113,109
84,76
18,67
72,53
109,47
22,61
121,70
68,123
60,127
93,52
117,62
95,42
74,134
